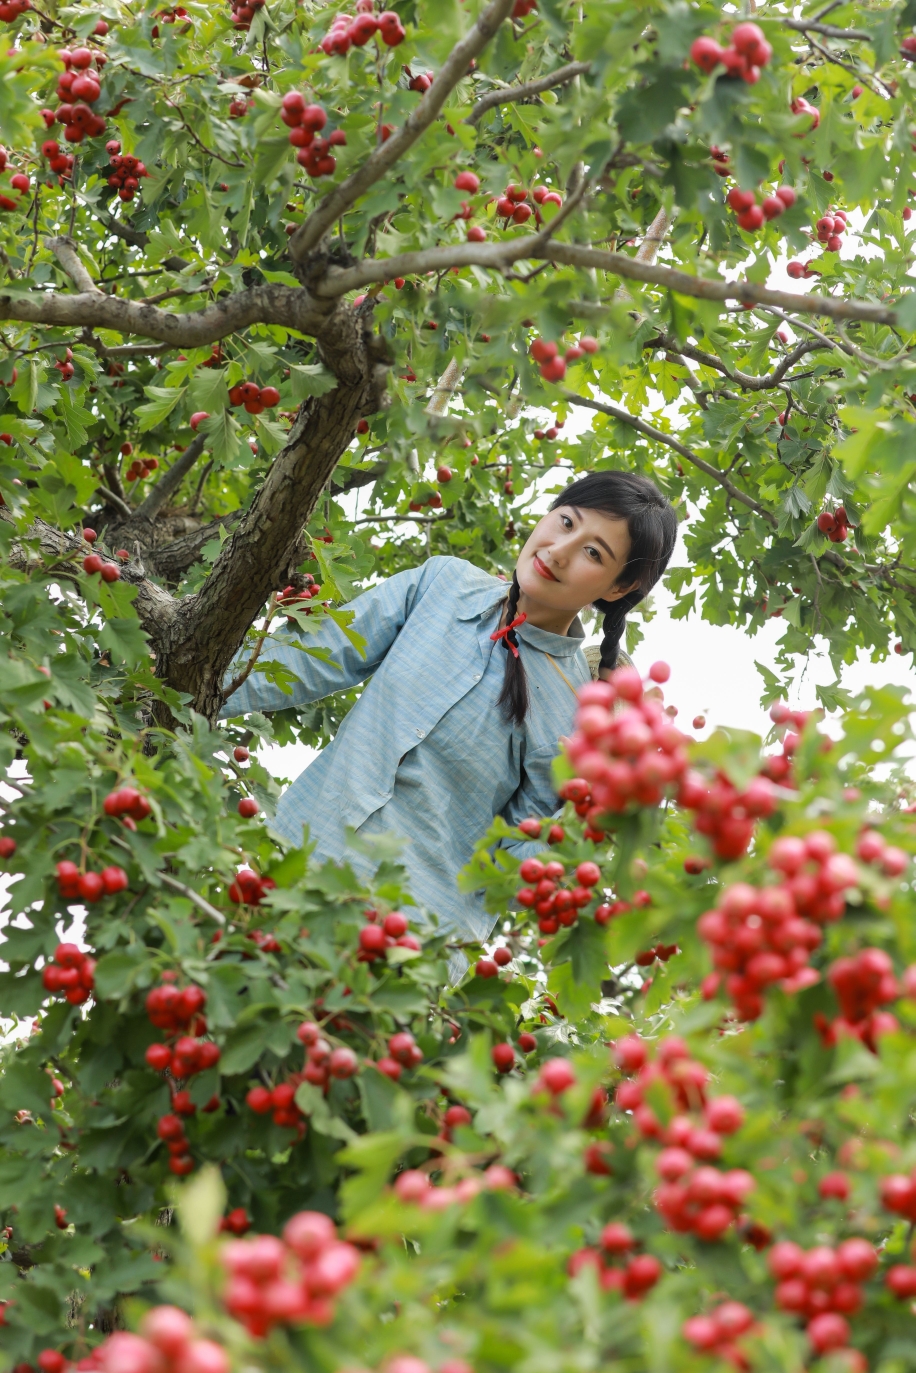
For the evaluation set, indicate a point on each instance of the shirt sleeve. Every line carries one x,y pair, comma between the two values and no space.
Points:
379,616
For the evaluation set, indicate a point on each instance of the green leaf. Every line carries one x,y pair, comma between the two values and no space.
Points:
310,379
162,402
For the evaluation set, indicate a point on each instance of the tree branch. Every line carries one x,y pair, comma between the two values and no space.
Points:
828,30
742,379
67,254
505,94
114,501
380,162
500,255
170,481
283,305
670,442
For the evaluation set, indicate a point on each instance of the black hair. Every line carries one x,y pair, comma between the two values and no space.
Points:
652,526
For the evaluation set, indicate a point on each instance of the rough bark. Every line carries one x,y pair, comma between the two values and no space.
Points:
209,627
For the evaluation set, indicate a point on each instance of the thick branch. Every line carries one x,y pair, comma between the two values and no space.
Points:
503,95
154,605
283,305
351,478
329,210
265,547
670,442
172,560
170,481
498,256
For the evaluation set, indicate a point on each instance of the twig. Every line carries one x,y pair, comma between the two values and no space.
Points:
506,94
659,437
828,30
112,499
743,379
170,481
167,880
404,519
229,161
246,671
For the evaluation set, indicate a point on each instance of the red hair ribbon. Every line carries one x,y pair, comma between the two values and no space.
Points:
508,635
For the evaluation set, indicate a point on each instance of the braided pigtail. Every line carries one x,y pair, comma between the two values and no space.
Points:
514,695
615,624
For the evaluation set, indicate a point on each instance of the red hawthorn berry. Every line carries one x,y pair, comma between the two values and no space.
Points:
503,1056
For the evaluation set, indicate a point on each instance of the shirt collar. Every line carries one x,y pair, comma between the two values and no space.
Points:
479,600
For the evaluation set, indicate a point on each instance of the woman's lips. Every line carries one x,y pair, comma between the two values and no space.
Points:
543,570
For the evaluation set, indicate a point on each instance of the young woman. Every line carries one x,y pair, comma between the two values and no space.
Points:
471,691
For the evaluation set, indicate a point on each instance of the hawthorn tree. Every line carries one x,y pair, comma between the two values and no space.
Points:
293,299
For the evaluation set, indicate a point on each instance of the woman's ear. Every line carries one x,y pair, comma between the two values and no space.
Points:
617,592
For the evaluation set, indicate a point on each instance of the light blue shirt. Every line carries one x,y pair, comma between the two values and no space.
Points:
426,752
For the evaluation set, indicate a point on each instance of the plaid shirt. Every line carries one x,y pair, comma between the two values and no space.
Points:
426,753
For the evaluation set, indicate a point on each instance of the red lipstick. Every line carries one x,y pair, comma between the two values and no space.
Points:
543,570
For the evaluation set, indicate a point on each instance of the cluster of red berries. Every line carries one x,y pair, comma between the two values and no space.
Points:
553,904
725,815
128,804
19,183
322,1061
243,11
822,1285
176,1009
546,354
172,16
434,499
296,596
694,1195
802,106
140,468
58,160
761,937
834,523
255,398
166,1344
80,82
183,1059
717,1332
638,1274
624,756
417,1189
125,171
420,82
746,53
64,365
281,1101
659,953
11,9
237,1222
752,216
861,983
553,432
88,886
72,974
239,107
513,203
830,229
247,888
109,572
403,1052
347,31
305,122
382,933
291,1280
503,1054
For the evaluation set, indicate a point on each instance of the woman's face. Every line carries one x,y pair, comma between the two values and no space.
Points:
574,557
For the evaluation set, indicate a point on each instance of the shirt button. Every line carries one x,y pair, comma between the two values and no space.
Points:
476,676
421,733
